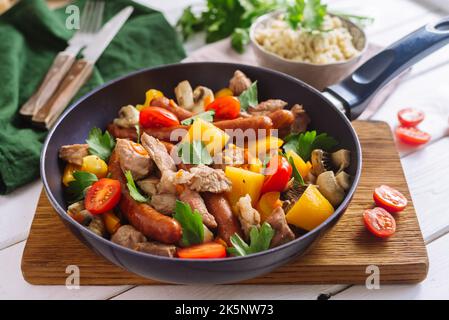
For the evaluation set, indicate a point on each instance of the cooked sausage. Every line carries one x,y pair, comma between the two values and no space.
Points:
171,106
142,216
219,207
282,121
256,122
162,134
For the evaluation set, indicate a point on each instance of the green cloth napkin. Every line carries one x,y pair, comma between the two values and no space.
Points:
30,37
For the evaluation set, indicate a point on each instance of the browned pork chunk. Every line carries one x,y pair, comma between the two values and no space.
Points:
196,202
164,203
239,83
149,185
158,152
74,153
156,248
207,179
283,233
266,107
128,236
248,216
302,120
139,164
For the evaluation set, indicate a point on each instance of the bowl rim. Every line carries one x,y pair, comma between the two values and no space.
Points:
315,232
270,15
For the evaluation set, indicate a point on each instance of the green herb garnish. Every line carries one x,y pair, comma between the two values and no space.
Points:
304,143
194,153
191,223
207,116
260,240
295,173
248,98
133,191
100,144
77,188
308,14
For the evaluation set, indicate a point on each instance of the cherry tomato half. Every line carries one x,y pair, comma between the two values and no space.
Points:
410,117
208,250
278,180
156,117
412,135
102,196
390,199
225,108
379,222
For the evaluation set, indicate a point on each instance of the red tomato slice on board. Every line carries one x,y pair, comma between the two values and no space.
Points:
279,179
102,196
410,117
226,108
379,222
210,250
156,117
412,135
389,198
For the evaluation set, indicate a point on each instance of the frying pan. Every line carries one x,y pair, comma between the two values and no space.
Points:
330,112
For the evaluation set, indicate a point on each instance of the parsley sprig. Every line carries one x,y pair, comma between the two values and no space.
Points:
260,240
248,98
191,223
133,191
207,116
77,188
194,152
304,143
100,144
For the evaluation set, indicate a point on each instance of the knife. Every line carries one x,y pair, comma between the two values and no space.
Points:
80,71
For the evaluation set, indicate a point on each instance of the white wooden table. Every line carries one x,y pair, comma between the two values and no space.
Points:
426,169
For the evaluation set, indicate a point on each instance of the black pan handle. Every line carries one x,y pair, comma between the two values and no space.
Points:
358,89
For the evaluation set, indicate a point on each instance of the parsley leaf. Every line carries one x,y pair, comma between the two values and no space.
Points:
189,23
76,189
295,173
248,98
308,14
100,144
294,14
260,240
194,153
191,223
304,143
133,191
240,39
207,116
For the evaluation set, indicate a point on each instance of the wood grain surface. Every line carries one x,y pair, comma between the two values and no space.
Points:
341,256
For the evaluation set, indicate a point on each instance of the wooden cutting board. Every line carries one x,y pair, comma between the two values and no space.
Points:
341,256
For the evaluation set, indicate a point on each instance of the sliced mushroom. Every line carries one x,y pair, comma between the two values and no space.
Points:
292,195
341,159
239,83
201,97
320,161
329,188
184,94
97,226
128,117
343,180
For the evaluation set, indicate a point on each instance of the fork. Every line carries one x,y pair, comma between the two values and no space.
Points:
91,21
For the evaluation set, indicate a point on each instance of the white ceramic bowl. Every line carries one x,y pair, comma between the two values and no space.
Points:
319,76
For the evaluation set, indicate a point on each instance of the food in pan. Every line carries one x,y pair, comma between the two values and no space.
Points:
205,175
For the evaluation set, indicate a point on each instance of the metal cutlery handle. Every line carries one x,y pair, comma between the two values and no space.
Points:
77,76
55,74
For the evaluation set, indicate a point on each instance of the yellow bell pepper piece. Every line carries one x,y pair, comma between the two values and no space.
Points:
303,167
225,92
264,146
267,203
67,176
150,95
243,182
310,210
255,165
95,165
214,138
111,221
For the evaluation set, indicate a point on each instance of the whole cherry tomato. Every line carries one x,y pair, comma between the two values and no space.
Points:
225,108
102,196
410,117
155,117
390,199
412,135
379,222
277,180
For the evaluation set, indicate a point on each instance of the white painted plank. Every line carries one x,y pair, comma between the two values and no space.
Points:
224,292
13,286
427,173
436,286
17,212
